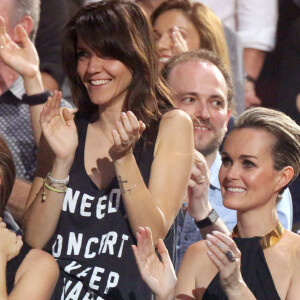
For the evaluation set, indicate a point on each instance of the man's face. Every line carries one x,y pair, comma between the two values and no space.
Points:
7,76
200,89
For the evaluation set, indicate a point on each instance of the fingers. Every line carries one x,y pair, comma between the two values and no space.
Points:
228,241
67,116
222,251
145,247
51,108
163,251
22,34
128,130
3,34
179,43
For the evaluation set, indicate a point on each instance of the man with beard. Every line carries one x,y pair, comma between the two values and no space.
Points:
202,87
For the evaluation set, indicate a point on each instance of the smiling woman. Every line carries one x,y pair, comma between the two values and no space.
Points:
115,167
261,260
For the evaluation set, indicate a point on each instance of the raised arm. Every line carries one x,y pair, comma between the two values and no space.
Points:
199,207
25,61
56,153
158,275
157,205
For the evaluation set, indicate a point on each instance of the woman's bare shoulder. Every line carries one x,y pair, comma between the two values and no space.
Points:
177,115
176,123
293,242
197,258
37,262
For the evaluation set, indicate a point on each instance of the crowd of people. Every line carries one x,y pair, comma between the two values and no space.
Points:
136,159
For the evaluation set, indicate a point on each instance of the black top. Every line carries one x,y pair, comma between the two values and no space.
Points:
13,265
255,272
93,240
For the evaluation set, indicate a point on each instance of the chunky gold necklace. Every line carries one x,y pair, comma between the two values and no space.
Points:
269,239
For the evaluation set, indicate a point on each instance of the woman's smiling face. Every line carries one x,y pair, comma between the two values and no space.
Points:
247,175
106,79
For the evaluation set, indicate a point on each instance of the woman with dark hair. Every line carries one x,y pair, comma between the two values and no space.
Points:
261,260
116,167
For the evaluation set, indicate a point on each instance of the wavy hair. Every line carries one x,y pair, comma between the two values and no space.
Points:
119,30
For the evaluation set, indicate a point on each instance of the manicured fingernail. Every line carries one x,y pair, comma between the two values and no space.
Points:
208,242
209,236
209,253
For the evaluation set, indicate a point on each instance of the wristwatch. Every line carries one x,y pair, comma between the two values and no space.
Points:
209,220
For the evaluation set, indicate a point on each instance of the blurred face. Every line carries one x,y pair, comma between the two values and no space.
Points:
106,79
247,177
199,89
166,38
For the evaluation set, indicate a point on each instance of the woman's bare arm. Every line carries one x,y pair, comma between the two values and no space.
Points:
41,216
157,206
36,277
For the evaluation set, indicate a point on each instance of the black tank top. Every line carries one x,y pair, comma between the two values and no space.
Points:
93,241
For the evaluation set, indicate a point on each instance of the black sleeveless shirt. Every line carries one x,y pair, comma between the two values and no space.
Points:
93,241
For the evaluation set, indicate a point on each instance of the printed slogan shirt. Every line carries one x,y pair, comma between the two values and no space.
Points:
93,241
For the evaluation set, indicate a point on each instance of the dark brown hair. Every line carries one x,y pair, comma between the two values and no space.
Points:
120,30
207,24
7,175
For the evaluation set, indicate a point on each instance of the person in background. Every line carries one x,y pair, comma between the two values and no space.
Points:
255,23
115,168
180,25
21,97
261,259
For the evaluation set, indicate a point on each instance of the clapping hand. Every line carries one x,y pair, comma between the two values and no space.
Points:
198,187
127,133
10,243
158,275
23,58
224,253
59,128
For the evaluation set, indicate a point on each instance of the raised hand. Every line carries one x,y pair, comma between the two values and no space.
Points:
22,58
158,275
127,133
59,128
10,244
224,253
198,187
179,43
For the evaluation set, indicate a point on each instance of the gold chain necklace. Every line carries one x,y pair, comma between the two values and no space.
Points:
269,239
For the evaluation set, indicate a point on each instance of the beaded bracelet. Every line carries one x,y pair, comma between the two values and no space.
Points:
57,181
